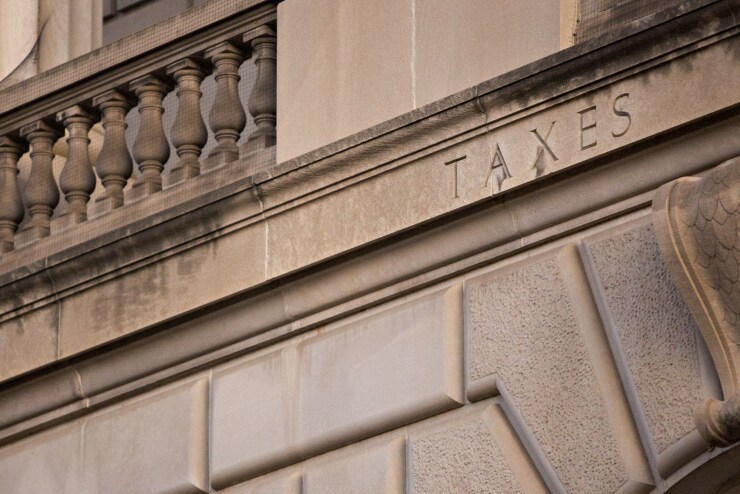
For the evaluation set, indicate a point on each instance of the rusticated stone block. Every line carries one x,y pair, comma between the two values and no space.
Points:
288,481
251,417
354,379
465,454
360,469
655,329
48,462
523,334
155,443
382,371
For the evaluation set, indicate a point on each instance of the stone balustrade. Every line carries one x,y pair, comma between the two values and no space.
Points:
46,154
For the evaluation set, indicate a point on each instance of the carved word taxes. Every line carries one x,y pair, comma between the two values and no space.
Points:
545,149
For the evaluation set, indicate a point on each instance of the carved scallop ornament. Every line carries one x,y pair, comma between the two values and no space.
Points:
697,221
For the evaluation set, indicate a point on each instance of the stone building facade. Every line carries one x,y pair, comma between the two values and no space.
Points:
349,247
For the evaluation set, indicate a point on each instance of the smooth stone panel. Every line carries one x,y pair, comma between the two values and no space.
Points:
49,462
523,334
360,469
655,329
462,43
380,372
154,443
463,454
342,383
344,65
167,288
251,417
28,341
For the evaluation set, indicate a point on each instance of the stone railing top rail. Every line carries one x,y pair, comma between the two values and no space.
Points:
163,69
136,54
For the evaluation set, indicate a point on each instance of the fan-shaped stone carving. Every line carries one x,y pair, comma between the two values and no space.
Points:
697,221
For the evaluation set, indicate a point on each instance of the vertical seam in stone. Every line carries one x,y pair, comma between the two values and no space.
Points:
613,395
623,370
413,53
78,383
58,303
267,228
407,458
732,12
209,423
530,443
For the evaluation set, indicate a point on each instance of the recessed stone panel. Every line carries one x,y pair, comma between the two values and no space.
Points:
524,335
462,454
49,462
655,329
379,372
155,443
360,469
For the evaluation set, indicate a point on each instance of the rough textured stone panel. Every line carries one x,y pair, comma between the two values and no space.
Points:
156,443
460,457
522,330
381,371
359,469
250,418
49,462
655,328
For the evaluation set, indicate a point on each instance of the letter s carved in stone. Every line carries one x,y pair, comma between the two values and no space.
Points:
697,221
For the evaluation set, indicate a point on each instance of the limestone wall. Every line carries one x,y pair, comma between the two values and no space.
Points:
571,367
469,299
346,65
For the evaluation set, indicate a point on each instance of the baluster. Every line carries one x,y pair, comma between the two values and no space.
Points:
114,165
151,150
227,117
77,180
41,194
189,133
11,206
262,101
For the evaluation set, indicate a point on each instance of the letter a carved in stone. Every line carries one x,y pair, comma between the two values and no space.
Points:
498,170
697,222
